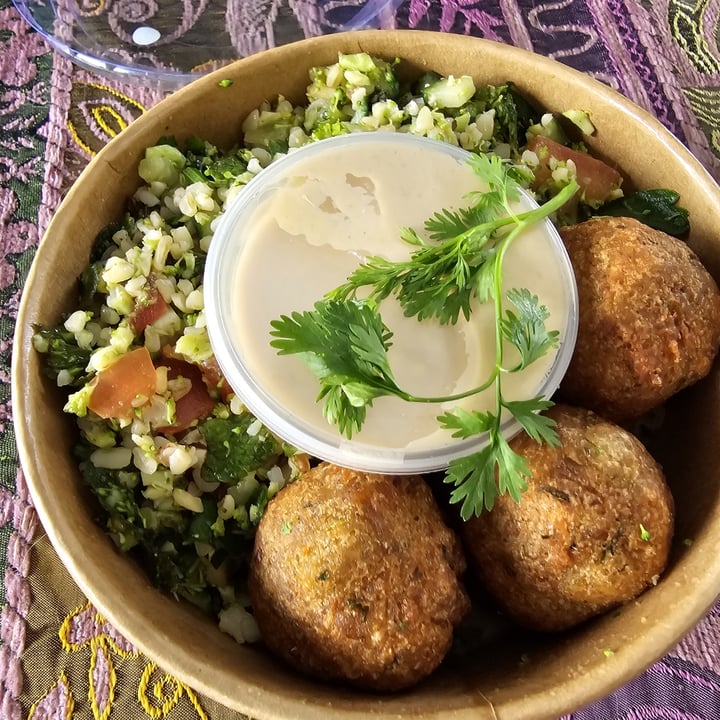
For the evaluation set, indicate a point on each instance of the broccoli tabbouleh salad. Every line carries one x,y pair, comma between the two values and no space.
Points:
182,472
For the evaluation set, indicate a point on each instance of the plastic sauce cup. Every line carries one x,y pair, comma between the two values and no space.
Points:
300,227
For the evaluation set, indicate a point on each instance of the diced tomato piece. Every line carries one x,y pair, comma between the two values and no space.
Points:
120,388
214,378
597,179
196,404
147,312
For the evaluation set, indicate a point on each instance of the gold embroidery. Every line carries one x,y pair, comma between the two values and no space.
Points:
104,115
705,103
687,19
56,704
66,630
159,695
102,681
91,7
85,627
74,633
99,113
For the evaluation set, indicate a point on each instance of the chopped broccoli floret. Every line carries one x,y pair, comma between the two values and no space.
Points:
330,129
341,95
269,127
63,355
379,74
226,168
234,449
513,114
179,571
115,496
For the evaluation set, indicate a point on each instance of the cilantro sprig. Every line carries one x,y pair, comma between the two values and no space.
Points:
345,342
444,274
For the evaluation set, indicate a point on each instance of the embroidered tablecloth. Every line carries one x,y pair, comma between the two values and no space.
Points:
58,657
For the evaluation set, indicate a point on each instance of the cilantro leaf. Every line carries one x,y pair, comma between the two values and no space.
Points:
474,480
466,424
497,468
526,330
513,467
342,408
540,428
502,183
447,224
483,281
345,345
480,478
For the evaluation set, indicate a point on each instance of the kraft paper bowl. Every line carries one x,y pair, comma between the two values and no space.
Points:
515,677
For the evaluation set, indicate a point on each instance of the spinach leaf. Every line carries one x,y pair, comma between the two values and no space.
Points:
656,208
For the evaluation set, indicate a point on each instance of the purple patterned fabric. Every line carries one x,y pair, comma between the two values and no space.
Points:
662,54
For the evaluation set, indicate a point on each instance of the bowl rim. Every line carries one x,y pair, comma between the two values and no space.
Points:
264,702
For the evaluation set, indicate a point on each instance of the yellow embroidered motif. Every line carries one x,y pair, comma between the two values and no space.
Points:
705,103
85,627
159,693
687,20
102,682
56,704
106,117
89,8
98,113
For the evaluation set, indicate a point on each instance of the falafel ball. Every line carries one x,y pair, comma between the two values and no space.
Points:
592,530
649,317
354,577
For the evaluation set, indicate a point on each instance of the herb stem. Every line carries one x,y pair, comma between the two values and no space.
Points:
521,222
409,397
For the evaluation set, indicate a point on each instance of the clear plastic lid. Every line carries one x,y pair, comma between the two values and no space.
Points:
300,426
171,43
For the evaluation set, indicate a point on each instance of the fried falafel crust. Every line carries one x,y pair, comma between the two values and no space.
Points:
591,532
355,577
649,317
